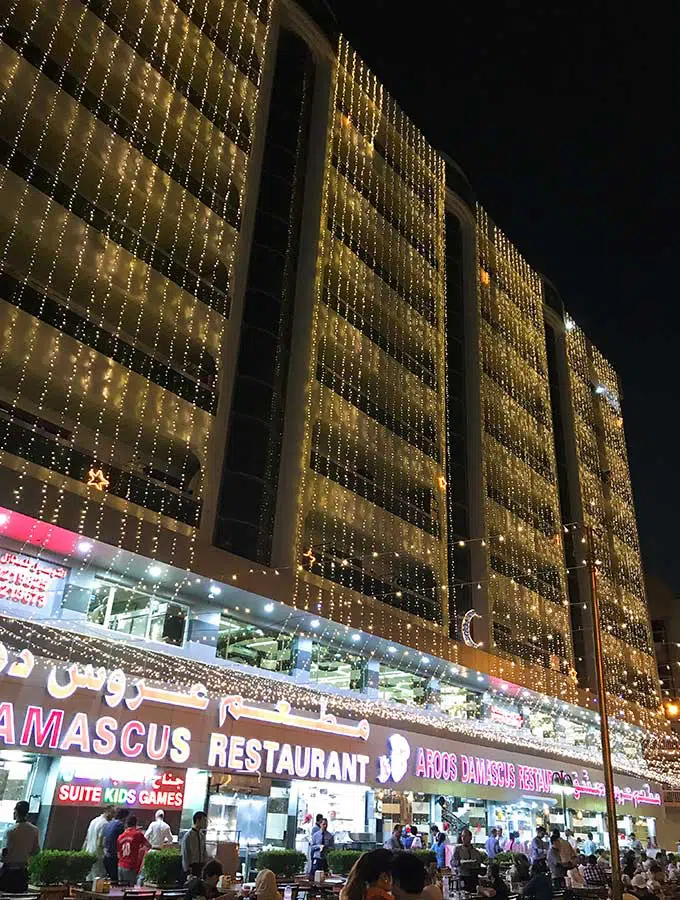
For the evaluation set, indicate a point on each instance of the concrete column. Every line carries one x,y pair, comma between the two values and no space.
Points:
433,693
202,633
370,677
301,660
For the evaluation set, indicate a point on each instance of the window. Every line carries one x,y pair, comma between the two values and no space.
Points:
251,646
141,615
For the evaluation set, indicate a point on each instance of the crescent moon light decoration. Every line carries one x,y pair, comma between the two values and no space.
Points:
466,628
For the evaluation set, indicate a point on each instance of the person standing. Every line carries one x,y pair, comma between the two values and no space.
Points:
571,839
589,847
539,846
492,846
322,842
393,842
132,845
564,848
317,823
417,842
440,850
557,868
194,853
21,843
315,827
112,831
158,834
94,841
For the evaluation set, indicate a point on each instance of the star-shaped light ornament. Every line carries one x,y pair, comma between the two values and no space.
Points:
97,479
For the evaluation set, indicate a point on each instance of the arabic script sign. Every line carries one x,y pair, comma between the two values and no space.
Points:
29,581
440,765
162,790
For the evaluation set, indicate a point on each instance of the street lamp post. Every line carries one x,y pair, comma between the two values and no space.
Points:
604,724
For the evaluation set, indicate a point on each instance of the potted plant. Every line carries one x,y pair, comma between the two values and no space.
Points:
163,868
53,872
341,861
283,863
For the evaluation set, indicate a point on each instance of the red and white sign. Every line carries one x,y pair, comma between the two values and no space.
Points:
27,580
164,790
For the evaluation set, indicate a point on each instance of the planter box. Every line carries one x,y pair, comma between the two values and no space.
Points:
51,891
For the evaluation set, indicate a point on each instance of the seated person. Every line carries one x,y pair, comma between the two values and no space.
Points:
408,877
495,880
520,870
265,886
574,876
205,887
539,886
593,874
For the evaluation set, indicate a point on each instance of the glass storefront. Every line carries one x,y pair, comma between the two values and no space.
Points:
17,772
133,612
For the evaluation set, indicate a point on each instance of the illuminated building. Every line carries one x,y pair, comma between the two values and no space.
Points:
231,429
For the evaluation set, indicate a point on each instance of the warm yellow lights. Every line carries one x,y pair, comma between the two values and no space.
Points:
372,506
97,479
607,500
527,587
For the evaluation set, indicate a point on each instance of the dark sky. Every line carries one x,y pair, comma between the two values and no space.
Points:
562,116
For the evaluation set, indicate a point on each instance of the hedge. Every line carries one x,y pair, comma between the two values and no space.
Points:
281,862
341,861
60,867
163,867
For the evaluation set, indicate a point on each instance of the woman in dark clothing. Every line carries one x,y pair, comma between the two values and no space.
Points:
497,882
540,884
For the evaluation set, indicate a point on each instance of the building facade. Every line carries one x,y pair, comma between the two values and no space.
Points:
276,396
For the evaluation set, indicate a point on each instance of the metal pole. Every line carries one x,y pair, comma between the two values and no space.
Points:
604,727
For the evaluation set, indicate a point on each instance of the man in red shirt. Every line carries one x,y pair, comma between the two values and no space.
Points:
132,845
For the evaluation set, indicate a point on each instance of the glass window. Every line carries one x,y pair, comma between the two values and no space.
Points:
335,667
251,646
133,612
401,687
16,770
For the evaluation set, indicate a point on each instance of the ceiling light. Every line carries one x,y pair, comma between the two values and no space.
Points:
314,623
269,607
155,571
84,546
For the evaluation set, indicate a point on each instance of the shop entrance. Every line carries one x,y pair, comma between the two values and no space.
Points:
17,772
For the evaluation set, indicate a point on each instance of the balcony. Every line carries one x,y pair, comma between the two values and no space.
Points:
414,506
208,282
351,556
198,387
53,451
418,296
101,395
372,194
424,439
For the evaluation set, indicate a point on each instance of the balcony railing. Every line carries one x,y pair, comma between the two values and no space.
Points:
365,487
55,453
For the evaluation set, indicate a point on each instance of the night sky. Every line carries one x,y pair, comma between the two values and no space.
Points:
561,115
